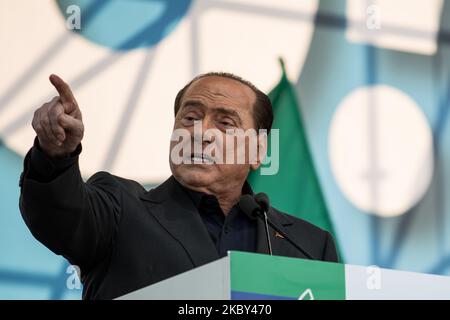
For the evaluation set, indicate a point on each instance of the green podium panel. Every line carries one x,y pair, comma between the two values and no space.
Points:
244,276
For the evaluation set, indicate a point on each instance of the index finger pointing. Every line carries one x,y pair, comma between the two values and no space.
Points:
63,89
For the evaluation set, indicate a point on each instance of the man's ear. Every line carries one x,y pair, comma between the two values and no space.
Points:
262,150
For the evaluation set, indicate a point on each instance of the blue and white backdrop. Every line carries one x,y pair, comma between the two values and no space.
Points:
372,78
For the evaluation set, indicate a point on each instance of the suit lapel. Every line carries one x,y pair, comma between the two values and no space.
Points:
279,245
175,211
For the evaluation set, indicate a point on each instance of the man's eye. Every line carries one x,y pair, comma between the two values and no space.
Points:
227,123
190,118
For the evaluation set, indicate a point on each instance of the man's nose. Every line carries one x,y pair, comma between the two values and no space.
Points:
201,129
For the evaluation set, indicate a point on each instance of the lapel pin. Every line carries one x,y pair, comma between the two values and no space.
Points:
278,235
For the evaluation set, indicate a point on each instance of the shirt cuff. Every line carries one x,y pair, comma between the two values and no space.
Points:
44,168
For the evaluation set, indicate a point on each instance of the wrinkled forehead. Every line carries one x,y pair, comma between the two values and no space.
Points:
221,90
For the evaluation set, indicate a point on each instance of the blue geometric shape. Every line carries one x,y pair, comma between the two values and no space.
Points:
240,295
126,24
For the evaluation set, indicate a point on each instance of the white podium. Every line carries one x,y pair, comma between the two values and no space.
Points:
248,276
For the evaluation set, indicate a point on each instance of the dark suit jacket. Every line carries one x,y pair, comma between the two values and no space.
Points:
124,238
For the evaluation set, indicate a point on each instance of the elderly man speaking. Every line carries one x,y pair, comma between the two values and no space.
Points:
123,237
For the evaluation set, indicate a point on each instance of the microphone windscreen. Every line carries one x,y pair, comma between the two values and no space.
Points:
263,200
249,206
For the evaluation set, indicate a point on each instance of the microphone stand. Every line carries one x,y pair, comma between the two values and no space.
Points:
266,225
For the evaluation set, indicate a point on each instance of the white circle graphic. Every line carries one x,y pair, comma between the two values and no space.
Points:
381,150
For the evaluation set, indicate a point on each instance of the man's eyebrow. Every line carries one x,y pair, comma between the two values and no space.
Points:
220,109
193,103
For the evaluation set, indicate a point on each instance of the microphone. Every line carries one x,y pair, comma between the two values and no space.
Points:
257,207
249,206
253,210
263,200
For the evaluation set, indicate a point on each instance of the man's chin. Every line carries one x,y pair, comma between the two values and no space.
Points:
195,175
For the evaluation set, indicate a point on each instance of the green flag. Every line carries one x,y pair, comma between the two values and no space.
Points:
295,189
